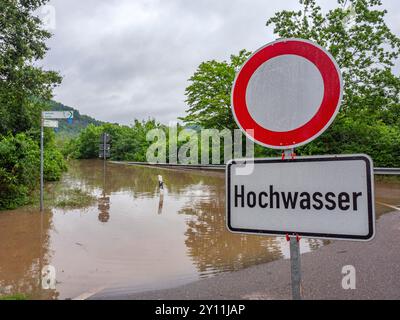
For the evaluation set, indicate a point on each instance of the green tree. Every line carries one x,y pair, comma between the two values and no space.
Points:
25,90
128,143
23,86
209,93
19,174
356,34
366,50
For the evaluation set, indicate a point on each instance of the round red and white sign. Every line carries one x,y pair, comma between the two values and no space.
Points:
287,93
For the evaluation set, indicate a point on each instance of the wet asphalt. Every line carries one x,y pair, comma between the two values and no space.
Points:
377,266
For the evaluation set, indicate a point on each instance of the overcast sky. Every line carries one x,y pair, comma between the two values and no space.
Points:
127,59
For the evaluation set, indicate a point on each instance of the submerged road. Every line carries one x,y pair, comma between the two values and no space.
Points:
377,265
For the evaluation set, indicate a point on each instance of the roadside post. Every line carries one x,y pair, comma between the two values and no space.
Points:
105,146
285,96
295,255
48,121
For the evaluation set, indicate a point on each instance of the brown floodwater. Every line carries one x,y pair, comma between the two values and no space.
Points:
133,239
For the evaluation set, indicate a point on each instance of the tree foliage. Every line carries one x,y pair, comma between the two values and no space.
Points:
127,142
25,90
19,163
356,34
209,93
22,84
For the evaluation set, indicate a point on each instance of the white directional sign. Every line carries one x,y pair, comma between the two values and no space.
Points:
287,93
58,114
319,197
50,123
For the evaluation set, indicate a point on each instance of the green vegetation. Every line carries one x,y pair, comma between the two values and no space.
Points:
209,93
24,92
128,143
13,297
366,50
74,198
19,160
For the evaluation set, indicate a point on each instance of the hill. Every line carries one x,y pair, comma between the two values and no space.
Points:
80,121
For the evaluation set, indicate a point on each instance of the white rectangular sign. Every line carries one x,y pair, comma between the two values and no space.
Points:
317,197
50,123
58,114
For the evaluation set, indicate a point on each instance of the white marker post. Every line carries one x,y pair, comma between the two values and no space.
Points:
285,96
46,121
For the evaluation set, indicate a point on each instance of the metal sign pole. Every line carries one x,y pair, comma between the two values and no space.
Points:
295,267
294,252
104,146
41,165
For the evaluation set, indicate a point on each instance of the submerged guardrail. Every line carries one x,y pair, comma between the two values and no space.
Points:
221,167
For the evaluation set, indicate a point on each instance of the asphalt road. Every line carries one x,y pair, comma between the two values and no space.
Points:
377,265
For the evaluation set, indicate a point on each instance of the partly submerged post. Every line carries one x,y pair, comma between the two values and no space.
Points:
160,182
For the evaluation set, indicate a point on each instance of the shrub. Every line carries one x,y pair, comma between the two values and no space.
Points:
19,169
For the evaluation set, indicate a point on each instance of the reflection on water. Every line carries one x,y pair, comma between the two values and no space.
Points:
135,236
24,250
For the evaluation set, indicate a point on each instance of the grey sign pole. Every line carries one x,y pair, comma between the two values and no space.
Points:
41,164
104,146
295,268
294,254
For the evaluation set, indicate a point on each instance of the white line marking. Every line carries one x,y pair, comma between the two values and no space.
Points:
389,206
88,294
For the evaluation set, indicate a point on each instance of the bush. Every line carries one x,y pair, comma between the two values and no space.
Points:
127,143
19,169
54,164
349,136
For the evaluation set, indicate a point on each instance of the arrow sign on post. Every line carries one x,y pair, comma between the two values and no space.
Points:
58,114
50,123
47,121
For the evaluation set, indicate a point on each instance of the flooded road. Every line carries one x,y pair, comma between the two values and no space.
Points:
130,238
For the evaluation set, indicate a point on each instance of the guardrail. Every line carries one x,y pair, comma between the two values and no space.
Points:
387,171
377,171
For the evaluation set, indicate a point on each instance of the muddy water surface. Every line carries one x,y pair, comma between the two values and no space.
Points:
132,238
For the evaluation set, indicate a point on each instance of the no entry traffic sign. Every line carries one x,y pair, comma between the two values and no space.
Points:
287,93
319,197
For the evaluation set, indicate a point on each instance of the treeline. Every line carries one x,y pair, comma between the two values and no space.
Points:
128,142
347,136
24,92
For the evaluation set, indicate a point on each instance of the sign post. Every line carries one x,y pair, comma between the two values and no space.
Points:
41,165
46,121
105,147
285,96
295,268
295,256
325,197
